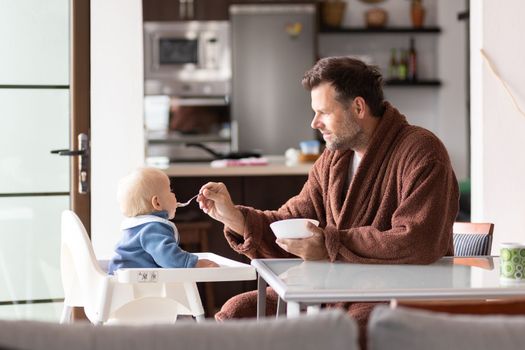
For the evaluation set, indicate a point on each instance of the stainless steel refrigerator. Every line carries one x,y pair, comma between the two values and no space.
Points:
272,47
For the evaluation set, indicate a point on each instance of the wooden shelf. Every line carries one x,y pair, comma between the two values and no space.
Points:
385,30
417,83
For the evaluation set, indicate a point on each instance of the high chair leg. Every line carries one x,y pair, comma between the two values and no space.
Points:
194,300
67,314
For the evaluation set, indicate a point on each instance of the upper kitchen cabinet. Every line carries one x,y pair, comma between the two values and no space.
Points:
26,59
161,10
200,10
207,10
185,10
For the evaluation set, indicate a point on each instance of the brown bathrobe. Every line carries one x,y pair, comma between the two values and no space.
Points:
398,209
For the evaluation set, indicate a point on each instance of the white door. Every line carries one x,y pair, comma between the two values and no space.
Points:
34,184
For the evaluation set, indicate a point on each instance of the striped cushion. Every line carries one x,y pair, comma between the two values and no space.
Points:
466,244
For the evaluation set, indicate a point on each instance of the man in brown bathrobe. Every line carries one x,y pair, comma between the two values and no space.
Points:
383,190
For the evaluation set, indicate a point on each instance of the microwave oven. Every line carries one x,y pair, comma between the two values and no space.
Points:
190,58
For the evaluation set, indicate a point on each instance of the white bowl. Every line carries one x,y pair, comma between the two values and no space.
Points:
292,228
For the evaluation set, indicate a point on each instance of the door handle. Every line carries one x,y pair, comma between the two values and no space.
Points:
67,152
83,164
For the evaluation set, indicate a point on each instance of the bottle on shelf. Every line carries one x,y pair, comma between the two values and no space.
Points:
403,66
412,62
417,13
392,65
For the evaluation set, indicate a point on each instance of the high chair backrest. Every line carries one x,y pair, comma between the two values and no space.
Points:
82,278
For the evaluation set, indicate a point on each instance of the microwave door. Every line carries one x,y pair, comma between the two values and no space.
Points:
178,51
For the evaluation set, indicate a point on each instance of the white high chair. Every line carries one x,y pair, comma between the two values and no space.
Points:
106,299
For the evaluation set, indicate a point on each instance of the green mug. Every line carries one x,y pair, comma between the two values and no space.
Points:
512,262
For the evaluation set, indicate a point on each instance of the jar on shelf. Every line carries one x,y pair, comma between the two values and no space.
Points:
332,12
376,17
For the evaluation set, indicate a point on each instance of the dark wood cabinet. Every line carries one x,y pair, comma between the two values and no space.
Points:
186,10
161,10
270,192
212,10
196,10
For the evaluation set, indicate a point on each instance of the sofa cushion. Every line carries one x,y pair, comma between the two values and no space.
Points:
404,328
327,330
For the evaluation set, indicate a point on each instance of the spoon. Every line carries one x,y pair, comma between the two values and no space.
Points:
180,205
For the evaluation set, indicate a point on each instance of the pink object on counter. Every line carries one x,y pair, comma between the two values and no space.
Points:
221,163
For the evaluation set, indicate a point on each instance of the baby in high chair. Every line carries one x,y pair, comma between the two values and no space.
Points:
149,238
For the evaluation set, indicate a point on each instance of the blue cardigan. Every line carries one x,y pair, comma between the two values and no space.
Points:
150,241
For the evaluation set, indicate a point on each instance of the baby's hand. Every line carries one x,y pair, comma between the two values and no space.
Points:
206,263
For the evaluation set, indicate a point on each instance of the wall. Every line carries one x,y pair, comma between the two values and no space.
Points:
442,110
451,114
117,138
498,164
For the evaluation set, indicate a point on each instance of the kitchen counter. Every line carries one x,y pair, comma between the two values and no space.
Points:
276,167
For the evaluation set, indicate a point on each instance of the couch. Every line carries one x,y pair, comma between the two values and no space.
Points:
405,328
327,330
388,329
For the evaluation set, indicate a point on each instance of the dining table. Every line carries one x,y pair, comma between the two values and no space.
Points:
306,285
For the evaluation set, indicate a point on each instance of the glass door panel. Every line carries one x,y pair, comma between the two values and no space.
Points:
34,36
34,185
40,312
34,121
30,248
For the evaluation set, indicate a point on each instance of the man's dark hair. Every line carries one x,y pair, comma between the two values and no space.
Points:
350,78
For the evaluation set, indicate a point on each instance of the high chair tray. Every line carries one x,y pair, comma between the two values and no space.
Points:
228,270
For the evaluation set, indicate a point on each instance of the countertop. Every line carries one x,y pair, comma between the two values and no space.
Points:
276,167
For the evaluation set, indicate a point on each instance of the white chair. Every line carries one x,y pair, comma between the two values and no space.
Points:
105,299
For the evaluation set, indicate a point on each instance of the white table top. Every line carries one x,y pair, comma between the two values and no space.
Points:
322,282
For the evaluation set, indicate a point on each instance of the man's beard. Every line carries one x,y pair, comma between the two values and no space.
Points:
353,138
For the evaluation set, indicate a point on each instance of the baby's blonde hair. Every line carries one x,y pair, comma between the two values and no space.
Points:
136,190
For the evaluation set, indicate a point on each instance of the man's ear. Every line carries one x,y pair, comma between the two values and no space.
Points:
359,106
155,203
